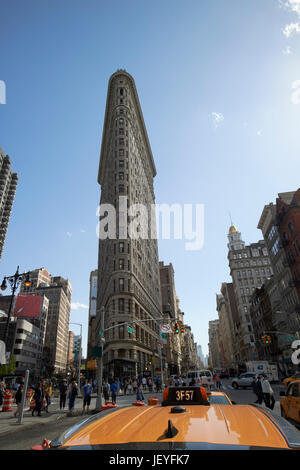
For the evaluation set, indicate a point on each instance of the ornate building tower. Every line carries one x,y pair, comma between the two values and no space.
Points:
128,267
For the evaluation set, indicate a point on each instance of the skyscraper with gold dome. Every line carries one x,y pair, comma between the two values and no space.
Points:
249,268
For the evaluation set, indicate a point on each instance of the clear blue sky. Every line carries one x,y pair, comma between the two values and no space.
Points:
189,60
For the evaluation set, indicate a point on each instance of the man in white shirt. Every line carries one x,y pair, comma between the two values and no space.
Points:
268,393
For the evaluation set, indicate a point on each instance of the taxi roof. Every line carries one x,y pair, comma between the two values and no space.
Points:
239,425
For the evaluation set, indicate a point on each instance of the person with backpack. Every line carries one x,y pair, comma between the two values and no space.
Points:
106,390
139,393
114,389
87,395
73,392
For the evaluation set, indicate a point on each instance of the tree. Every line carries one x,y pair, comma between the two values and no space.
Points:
8,369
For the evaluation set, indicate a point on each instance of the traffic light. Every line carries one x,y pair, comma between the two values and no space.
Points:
176,329
266,339
181,328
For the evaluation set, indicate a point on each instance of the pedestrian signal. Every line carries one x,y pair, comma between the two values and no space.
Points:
176,329
182,328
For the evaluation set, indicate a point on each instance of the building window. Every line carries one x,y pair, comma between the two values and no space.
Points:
121,285
121,264
121,247
121,141
121,305
121,188
121,164
121,176
121,153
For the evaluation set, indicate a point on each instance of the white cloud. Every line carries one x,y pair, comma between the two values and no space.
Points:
293,6
77,305
287,50
259,133
291,28
82,230
69,234
217,118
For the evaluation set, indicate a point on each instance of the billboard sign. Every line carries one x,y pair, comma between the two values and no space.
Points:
28,306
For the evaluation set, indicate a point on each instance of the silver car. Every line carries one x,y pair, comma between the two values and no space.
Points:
244,380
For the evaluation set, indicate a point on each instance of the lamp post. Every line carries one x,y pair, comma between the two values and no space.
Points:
14,281
79,357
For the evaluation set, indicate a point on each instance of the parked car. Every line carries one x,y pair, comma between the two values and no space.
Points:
288,380
243,380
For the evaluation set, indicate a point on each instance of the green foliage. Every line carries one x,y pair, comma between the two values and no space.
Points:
8,369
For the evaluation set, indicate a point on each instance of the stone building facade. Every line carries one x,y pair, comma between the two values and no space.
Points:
128,268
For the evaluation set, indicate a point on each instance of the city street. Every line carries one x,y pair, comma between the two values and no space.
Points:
52,424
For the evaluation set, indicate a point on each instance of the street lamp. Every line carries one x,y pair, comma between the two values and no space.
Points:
14,281
79,358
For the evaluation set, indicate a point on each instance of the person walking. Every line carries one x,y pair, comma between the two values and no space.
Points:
73,392
129,387
48,395
114,389
218,381
268,393
144,383
150,384
134,385
139,393
106,390
38,397
87,395
2,392
18,398
259,389
63,388
254,387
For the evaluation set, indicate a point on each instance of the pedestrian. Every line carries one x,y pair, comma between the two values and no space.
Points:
218,381
129,387
134,385
144,383
139,393
106,390
192,382
158,384
87,395
73,392
38,397
125,386
150,384
254,387
268,393
63,388
259,389
18,399
114,390
2,392
48,395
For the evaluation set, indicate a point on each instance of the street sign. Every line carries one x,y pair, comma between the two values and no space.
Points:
166,328
130,330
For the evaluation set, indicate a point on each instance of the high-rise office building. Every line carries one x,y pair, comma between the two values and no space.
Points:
92,336
59,292
128,268
250,267
8,186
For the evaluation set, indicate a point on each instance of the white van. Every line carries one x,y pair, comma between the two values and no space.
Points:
203,378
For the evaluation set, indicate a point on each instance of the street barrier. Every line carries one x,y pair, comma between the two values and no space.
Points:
7,401
152,401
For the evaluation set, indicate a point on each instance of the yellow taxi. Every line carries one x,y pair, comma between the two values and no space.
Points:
288,380
290,402
185,420
219,398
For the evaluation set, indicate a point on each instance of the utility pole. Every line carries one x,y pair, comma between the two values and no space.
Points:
100,366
